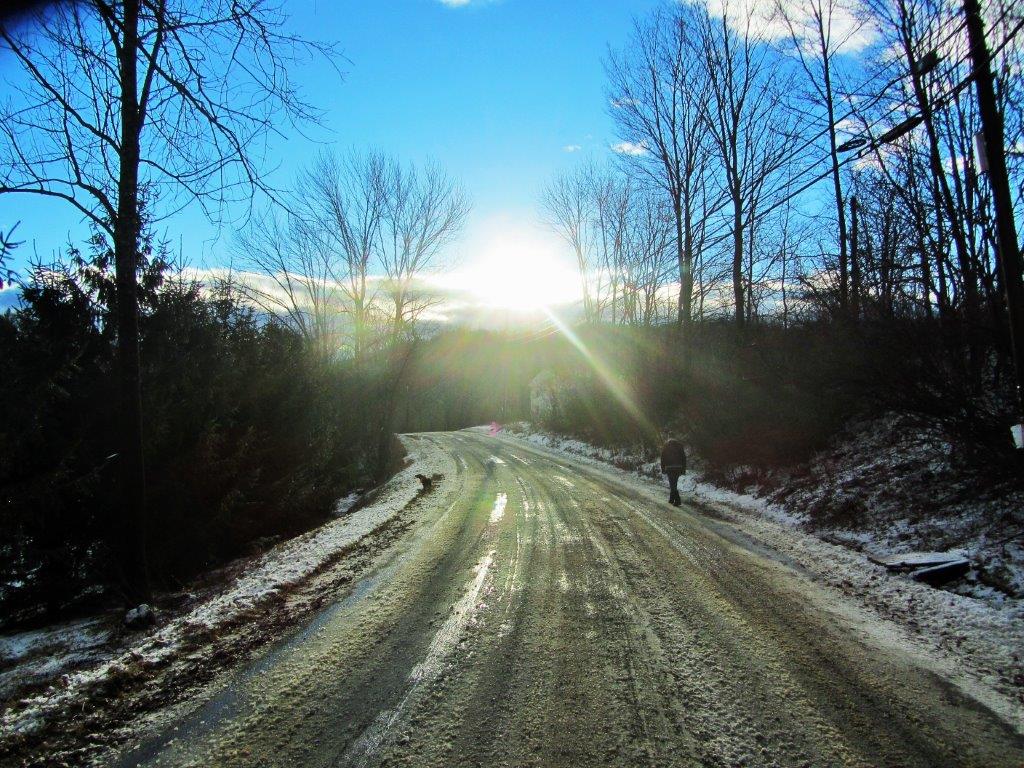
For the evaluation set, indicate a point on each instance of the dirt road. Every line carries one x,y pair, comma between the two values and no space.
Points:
541,613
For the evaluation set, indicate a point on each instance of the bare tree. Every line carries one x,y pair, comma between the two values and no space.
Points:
568,204
361,230
649,258
170,97
820,30
424,211
297,276
345,202
612,202
744,115
934,172
914,34
623,236
658,89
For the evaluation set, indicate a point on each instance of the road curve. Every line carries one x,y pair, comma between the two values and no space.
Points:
548,615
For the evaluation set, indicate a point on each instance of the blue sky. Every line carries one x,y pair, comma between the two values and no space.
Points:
493,90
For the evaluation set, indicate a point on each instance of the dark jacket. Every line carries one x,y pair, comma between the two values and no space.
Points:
673,457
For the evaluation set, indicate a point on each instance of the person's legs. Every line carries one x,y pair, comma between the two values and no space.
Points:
673,484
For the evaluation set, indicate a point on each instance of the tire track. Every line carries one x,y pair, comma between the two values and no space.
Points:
553,617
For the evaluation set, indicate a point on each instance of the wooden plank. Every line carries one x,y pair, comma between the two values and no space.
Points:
940,574
908,561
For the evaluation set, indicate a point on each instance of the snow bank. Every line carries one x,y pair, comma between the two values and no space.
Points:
37,656
277,570
904,482
344,505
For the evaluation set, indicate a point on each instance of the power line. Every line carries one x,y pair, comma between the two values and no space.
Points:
881,91
875,99
940,103
964,57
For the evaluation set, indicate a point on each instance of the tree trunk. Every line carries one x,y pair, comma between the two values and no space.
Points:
737,258
922,248
844,272
782,280
131,525
684,254
855,287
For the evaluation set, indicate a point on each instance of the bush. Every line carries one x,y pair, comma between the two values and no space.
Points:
246,435
771,395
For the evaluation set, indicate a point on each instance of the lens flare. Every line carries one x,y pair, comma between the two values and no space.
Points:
608,377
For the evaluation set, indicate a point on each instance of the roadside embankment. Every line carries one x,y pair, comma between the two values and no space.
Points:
85,681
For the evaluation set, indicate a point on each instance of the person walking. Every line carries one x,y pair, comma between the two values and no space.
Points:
673,464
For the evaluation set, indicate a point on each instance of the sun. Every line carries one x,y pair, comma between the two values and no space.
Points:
519,272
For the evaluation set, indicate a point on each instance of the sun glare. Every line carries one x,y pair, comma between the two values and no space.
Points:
519,273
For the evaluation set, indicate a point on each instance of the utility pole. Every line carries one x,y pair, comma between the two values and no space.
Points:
999,180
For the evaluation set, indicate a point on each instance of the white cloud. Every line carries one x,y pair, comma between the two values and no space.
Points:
849,127
630,148
764,21
10,297
571,148
455,3
871,161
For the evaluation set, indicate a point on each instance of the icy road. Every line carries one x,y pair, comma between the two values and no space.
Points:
543,613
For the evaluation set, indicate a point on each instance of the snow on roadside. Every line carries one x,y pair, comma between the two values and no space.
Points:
906,482
37,656
918,518
344,505
277,570
984,638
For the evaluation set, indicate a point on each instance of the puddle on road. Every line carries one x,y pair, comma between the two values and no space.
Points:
499,507
464,613
430,668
